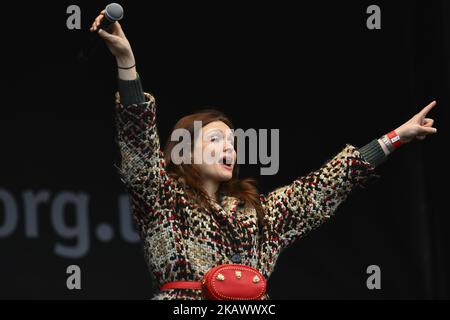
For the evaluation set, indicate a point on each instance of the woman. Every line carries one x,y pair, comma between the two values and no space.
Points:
193,217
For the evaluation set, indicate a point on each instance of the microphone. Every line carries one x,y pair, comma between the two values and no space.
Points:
113,13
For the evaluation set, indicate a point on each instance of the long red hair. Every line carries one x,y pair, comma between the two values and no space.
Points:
243,189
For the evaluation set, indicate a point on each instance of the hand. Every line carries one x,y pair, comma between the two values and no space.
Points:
418,127
115,40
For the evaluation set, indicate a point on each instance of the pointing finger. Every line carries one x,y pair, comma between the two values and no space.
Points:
427,109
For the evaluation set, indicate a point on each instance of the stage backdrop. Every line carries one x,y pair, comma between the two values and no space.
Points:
315,71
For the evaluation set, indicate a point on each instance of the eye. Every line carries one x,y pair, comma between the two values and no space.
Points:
214,138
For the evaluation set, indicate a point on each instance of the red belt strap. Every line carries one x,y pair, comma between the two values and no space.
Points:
182,285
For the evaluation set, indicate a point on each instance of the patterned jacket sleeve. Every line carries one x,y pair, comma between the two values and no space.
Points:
295,209
141,166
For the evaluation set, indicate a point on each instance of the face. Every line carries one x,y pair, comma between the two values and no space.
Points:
214,153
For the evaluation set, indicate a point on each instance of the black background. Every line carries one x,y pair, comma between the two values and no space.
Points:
312,69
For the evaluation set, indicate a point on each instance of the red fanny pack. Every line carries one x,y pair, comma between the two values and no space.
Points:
226,282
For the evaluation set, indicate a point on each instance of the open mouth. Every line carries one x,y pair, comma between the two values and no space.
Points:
226,162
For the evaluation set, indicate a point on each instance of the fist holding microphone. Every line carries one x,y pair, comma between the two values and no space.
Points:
107,26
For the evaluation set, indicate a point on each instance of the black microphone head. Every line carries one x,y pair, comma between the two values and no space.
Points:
113,12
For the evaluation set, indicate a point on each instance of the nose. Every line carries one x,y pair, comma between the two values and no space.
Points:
228,147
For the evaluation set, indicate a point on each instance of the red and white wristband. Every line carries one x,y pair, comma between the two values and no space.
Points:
391,140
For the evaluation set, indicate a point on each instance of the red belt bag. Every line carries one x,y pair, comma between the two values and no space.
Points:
226,282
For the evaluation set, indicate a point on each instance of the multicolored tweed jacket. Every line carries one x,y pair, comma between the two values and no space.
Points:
182,240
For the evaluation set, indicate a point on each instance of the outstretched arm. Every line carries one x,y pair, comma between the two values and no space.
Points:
297,208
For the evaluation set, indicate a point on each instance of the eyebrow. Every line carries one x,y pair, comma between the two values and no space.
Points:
215,130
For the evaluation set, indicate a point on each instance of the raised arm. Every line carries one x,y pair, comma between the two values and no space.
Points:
297,208
142,167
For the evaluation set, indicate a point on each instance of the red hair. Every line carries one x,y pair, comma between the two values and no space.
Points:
243,189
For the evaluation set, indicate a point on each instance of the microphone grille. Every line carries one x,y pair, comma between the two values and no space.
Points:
114,12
